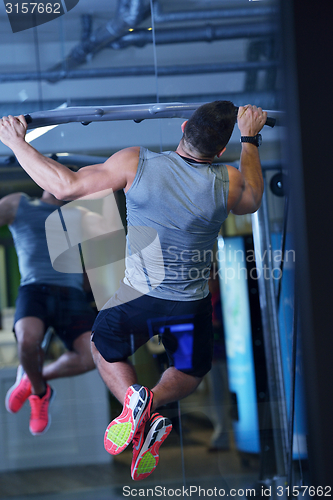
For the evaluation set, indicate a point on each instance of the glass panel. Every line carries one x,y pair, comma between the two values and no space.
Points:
116,53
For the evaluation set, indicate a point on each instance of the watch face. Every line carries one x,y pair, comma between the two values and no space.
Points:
259,139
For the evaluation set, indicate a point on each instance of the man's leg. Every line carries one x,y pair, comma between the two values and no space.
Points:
137,416
173,386
74,362
30,383
29,333
118,376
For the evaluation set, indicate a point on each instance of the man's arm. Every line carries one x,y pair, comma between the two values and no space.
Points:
117,172
246,185
8,208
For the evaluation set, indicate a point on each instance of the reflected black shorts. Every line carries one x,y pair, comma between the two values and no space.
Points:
184,327
64,308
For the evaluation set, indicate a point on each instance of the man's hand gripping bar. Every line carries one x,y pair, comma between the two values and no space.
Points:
269,121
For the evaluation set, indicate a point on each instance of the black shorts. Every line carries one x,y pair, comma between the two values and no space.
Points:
184,327
64,308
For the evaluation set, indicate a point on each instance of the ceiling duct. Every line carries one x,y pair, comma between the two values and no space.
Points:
204,15
208,33
129,14
113,72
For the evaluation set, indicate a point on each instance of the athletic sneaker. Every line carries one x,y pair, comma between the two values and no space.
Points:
136,410
18,394
146,444
40,419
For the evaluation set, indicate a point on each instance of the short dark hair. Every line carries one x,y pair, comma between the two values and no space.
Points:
210,127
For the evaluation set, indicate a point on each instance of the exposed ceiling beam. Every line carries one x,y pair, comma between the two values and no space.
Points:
144,70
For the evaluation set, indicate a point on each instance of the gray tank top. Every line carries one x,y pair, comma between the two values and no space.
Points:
28,231
175,209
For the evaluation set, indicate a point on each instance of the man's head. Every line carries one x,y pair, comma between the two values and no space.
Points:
209,129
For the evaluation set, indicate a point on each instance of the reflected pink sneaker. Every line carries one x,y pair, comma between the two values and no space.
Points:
136,410
40,419
146,444
18,394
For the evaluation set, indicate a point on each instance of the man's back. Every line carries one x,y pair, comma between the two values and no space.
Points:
28,231
184,203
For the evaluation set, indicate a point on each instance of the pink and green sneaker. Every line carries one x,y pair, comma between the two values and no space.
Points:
19,392
136,410
146,444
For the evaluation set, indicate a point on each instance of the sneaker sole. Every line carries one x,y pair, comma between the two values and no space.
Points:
148,457
120,431
49,417
9,393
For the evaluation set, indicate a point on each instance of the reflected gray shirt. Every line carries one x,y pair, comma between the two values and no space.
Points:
28,231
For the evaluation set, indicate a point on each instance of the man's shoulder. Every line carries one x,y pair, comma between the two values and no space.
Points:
235,177
12,200
8,207
130,152
126,158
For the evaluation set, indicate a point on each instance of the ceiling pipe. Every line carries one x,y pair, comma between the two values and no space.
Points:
129,14
86,26
175,70
208,33
204,15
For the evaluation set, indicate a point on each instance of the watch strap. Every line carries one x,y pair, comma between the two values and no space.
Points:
255,139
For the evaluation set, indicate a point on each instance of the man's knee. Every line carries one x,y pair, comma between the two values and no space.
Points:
28,340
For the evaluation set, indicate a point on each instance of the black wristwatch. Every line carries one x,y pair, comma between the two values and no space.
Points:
256,139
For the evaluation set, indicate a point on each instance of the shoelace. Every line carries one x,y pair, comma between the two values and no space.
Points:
22,391
39,408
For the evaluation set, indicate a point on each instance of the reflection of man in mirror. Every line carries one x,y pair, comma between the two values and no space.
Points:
184,199
46,298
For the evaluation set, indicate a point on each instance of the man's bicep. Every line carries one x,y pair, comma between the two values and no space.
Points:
236,186
240,199
114,174
246,203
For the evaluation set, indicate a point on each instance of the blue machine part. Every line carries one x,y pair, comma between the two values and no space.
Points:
183,333
238,336
286,318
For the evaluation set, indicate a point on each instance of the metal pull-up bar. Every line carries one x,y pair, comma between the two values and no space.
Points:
136,112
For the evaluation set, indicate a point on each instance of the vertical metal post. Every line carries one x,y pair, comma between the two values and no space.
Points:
269,315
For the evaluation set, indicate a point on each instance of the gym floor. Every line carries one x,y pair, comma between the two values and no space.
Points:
197,466
203,468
